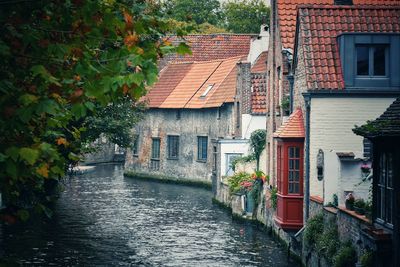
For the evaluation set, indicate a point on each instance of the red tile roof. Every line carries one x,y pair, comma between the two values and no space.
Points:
260,65
321,25
207,47
293,128
287,11
181,85
169,78
259,93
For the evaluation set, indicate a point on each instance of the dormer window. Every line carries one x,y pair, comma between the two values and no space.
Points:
209,87
371,60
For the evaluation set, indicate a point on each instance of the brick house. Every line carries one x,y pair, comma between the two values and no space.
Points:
194,104
312,59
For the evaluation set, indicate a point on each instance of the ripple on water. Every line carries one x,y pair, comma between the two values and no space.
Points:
104,219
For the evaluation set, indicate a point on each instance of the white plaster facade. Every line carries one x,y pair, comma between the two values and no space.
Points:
331,122
250,123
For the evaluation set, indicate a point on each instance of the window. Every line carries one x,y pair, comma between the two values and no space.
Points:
202,142
367,145
155,148
371,60
135,146
294,170
155,154
230,157
208,89
279,169
173,146
385,194
178,114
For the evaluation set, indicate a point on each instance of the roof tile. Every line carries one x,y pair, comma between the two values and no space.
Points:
293,128
321,44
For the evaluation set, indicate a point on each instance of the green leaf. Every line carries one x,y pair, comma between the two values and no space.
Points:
90,106
183,49
2,157
29,154
27,99
40,70
23,214
11,169
13,152
151,78
73,156
78,110
136,78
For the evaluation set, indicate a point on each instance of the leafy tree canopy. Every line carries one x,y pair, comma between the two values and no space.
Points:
238,16
199,11
60,62
245,16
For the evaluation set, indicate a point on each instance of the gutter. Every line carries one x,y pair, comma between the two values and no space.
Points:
307,100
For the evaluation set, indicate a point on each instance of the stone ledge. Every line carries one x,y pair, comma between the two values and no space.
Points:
167,179
354,214
317,199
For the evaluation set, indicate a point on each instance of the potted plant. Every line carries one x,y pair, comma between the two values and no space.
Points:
359,206
349,201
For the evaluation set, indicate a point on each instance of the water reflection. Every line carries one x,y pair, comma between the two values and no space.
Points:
104,219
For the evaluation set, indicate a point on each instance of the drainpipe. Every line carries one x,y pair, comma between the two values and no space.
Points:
307,100
290,78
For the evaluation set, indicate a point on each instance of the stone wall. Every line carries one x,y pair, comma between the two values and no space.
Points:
188,124
104,154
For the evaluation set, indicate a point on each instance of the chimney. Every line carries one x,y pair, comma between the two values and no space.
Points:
344,2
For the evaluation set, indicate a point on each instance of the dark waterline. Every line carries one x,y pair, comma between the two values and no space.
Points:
104,219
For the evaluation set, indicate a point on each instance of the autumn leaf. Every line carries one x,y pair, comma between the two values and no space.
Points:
43,170
128,20
131,40
62,141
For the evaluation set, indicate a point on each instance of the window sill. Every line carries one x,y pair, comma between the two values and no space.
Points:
155,159
202,160
172,158
135,155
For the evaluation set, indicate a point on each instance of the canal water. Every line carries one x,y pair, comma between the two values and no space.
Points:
105,219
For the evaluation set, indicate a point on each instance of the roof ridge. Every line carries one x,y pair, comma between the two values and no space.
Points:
363,6
216,34
206,61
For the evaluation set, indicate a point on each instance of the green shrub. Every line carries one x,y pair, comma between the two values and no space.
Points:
360,203
274,197
314,228
366,259
346,256
235,181
328,243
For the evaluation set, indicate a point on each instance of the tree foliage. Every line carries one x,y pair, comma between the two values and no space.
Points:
258,139
238,16
245,16
198,11
59,62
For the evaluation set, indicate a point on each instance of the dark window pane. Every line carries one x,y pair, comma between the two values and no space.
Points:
297,164
362,60
296,188
155,150
291,189
297,152
379,60
291,152
202,143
